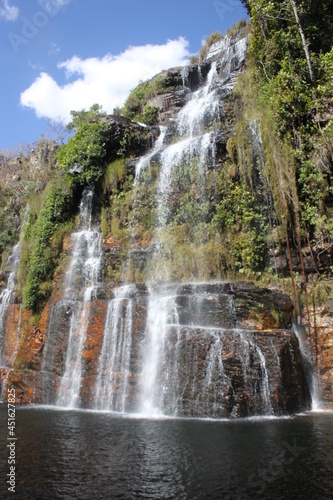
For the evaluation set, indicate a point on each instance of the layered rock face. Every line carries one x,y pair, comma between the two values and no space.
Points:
203,350
318,344
166,341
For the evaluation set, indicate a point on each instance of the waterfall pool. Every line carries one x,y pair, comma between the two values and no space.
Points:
86,454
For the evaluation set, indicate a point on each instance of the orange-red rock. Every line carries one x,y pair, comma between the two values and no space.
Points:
92,349
12,334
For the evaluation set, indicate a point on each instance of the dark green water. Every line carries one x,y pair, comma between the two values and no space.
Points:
86,455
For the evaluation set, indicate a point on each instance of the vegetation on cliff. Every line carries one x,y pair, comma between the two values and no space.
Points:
42,244
290,77
22,172
78,163
271,190
137,106
83,157
286,94
213,38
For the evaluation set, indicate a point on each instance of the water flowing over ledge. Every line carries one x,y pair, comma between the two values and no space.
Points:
169,347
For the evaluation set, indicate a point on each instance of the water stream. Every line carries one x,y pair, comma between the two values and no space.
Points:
310,369
190,344
169,347
82,279
115,357
159,385
6,295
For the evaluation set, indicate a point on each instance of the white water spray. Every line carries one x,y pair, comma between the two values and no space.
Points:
82,278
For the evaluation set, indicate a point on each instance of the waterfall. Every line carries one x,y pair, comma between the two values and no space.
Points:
310,369
168,344
201,110
6,298
195,151
186,362
194,145
180,348
182,364
114,362
160,391
159,374
6,294
82,279
144,163
267,406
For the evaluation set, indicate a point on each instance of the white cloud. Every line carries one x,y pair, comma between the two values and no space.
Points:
106,81
8,12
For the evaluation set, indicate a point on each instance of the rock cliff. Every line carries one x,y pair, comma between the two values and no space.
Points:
142,320
242,327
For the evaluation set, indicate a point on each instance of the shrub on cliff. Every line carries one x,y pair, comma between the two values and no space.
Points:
213,38
235,29
41,244
136,107
83,157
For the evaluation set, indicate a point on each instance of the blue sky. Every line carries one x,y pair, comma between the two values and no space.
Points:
59,55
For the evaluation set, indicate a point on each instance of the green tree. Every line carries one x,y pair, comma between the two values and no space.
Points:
291,73
84,156
83,117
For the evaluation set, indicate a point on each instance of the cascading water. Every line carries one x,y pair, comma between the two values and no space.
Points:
201,110
195,150
113,372
115,358
177,349
82,279
6,294
310,369
160,378
144,163
6,298
170,344
186,363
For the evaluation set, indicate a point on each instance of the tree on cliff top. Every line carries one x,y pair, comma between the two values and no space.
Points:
83,157
83,117
290,28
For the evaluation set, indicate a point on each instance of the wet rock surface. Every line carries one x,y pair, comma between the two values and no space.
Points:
229,362
138,138
217,349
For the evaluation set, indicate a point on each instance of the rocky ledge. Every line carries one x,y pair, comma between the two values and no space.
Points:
235,352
